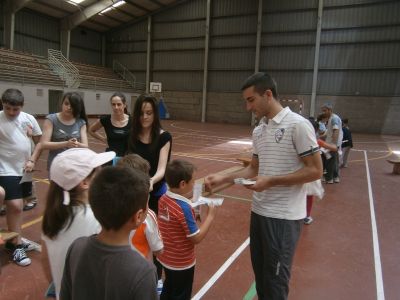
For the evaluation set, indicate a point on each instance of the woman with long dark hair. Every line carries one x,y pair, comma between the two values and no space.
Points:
116,126
65,129
151,142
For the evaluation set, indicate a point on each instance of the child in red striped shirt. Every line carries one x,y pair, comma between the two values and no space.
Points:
179,230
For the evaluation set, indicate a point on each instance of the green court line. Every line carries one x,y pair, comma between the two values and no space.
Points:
251,292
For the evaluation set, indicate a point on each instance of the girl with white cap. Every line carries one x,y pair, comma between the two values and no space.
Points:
68,215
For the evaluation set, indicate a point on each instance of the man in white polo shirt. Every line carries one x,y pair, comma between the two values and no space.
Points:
285,157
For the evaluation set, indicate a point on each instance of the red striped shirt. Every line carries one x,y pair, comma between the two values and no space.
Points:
176,221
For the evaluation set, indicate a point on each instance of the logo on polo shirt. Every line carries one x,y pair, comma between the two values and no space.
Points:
279,134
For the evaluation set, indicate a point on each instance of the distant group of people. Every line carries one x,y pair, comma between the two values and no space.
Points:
335,141
107,214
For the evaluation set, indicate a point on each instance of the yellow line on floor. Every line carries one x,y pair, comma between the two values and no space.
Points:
33,222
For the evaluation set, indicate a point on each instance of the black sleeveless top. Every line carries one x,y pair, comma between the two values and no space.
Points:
117,137
152,155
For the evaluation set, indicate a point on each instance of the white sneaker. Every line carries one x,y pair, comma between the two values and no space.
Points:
20,258
308,220
336,180
160,285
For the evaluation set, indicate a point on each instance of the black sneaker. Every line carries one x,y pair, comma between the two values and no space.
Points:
24,245
20,258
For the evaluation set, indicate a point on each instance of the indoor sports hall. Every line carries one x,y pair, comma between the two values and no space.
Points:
193,56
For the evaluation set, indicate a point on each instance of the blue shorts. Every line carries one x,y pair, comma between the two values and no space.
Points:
13,189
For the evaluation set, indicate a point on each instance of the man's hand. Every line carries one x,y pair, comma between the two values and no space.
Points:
212,181
262,183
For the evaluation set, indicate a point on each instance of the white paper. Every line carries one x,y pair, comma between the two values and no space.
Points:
244,181
197,191
208,201
27,177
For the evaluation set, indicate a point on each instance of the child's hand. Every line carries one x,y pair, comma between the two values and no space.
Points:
72,143
212,211
207,211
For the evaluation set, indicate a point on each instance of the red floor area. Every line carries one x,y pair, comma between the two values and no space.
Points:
335,257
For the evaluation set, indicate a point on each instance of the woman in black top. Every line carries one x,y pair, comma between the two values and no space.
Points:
152,143
116,126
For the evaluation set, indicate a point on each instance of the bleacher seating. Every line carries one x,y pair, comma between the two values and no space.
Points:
101,78
20,67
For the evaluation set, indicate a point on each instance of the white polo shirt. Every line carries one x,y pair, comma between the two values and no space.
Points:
15,145
279,145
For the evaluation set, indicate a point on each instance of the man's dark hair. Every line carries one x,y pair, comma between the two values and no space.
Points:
116,194
178,170
261,82
13,97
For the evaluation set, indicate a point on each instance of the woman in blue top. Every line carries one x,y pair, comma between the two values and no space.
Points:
151,142
66,129
116,126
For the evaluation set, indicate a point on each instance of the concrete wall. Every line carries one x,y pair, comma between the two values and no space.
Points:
221,107
39,105
380,115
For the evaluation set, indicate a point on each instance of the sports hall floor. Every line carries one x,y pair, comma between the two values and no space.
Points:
351,251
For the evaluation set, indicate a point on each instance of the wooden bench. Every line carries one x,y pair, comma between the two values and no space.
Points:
396,165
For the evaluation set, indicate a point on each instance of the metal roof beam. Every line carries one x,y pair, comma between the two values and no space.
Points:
79,17
12,6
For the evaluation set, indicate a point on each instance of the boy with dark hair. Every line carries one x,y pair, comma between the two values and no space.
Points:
103,266
146,238
179,230
16,158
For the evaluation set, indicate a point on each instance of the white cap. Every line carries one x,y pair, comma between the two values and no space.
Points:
71,167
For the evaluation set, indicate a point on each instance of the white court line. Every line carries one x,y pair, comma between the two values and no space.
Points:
221,270
380,293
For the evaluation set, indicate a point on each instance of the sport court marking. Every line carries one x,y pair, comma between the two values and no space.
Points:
380,294
221,270
377,259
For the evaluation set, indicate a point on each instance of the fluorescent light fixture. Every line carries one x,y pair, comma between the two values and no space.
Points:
106,10
397,152
119,3
76,1
240,142
116,4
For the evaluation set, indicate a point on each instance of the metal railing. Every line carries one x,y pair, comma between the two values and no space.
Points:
63,68
127,75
